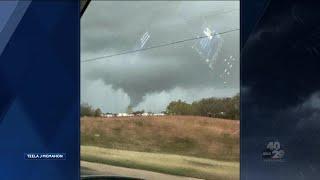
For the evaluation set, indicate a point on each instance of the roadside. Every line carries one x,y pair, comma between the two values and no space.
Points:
177,165
89,168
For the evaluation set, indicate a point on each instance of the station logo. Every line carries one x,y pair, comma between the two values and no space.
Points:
273,152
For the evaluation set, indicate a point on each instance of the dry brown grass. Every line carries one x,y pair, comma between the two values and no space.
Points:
164,163
183,135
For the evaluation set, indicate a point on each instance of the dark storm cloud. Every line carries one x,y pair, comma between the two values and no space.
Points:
111,27
153,75
280,70
280,76
309,111
118,25
280,67
281,58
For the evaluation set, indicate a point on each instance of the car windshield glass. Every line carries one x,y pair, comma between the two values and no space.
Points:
160,89
147,52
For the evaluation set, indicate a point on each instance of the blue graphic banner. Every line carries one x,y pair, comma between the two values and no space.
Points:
39,92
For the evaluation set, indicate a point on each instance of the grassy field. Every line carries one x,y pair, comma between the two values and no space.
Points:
164,163
184,135
181,145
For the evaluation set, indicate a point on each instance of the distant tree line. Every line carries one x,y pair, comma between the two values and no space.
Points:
228,108
87,110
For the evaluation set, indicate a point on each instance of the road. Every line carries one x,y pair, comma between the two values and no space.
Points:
89,168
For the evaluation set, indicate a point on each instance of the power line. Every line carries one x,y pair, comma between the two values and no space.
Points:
214,14
153,47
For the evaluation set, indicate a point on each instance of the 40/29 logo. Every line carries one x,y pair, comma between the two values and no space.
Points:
273,151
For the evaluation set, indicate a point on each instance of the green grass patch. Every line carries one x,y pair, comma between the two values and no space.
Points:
163,163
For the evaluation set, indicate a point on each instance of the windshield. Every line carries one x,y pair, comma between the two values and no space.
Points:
160,83
179,69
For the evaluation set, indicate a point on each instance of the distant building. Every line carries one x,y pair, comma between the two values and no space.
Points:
159,114
107,115
124,115
121,114
145,114
110,115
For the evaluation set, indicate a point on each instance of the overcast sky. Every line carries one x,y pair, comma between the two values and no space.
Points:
153,78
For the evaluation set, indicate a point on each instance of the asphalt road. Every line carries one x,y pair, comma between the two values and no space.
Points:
89,168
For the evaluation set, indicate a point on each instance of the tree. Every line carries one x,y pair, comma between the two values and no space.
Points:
179,108
97,112
86,110
228,108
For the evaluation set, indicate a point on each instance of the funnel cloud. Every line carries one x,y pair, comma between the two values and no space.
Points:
160,75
